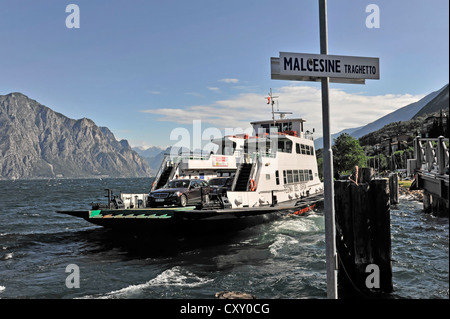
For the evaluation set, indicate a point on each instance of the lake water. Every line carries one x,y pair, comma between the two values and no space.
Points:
282,259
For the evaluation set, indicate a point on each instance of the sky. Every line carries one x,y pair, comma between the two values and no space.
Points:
147,69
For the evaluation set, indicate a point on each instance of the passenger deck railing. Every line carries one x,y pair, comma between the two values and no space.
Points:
191,156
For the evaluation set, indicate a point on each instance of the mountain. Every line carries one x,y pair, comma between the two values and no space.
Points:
149,151
155,161
318,143
402,114
436,104
406,129
153,155
37,142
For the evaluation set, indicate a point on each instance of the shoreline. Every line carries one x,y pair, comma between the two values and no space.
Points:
410,194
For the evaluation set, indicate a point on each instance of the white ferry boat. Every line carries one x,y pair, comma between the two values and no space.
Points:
272,172
278,162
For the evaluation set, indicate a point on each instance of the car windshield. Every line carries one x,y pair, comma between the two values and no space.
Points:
178,184
217,182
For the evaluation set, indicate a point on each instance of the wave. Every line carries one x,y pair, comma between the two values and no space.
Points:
299,224
7,256
281,241
175,276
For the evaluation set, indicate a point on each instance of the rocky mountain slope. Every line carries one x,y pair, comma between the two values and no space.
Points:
411,128
36,142
438,103
438,98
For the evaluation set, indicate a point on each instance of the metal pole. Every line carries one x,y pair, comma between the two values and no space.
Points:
330,238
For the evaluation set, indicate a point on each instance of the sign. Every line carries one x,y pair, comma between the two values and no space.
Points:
220,161
313,67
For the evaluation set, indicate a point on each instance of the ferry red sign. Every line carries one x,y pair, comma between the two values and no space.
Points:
220,161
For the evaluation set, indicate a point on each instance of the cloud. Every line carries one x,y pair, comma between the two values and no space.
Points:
347,110
153,92
229,80
214,89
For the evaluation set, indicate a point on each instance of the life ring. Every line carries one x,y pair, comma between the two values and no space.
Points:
252,185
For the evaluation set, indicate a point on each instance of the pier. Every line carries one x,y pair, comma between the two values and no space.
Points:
430,167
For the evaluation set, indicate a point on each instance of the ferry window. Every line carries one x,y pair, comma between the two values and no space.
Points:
287,126
289,146
280,146
302,177
277,177
267,177
289,176
297,148
303,149
269,148
312,150
276,128
284,177
308,150
310,175
285,146
295,174
266,128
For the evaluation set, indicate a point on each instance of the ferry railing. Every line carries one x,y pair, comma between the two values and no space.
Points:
308,136
191,156
257,166
431,154
236,176
265,154
160,171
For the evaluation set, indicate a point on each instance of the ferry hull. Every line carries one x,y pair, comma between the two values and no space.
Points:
188,220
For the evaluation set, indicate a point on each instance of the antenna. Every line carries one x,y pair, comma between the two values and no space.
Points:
271,101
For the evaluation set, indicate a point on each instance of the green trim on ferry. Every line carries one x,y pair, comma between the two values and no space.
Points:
95,213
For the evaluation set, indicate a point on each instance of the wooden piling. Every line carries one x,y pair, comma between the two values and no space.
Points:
393,188
435,205
381,232
344,235
363,235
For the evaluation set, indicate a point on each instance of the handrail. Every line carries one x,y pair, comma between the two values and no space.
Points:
190,156
431,157
160,171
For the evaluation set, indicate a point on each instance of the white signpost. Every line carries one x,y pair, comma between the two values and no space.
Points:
326,68
313,67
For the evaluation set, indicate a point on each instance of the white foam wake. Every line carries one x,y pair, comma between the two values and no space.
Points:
281,241
298,225
175,276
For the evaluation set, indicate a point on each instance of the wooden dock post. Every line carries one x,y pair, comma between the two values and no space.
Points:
363,237
393,188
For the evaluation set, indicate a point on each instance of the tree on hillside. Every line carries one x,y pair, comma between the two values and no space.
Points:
347,153
439,127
